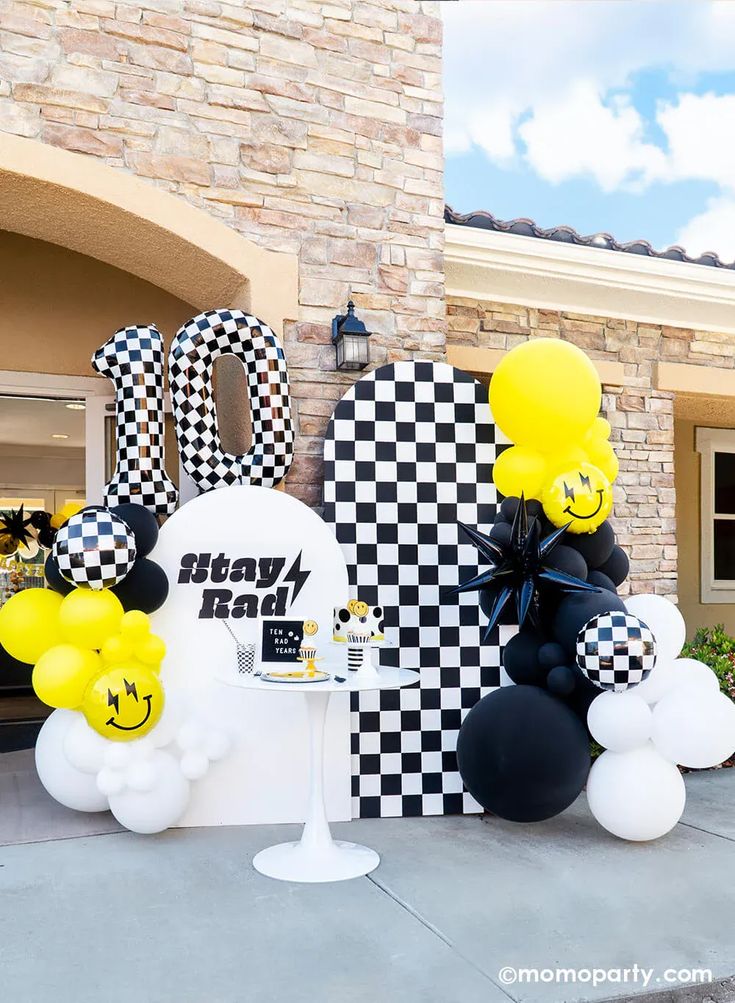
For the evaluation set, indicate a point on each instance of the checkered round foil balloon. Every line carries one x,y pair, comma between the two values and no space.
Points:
133,360
616,651
193,351
95,549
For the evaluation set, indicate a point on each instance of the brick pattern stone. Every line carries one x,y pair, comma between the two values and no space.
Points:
642,417
309,127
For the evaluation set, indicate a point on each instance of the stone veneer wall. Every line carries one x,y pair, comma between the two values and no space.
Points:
641,416
309,127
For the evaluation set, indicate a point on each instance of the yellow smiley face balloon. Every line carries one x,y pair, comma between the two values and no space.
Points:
124,702
581,497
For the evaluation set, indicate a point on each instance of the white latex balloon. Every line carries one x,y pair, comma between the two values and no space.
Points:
84,747
662,680
141,776
620,721
690,672
110,781
217,745
118,755
190,736
174,712
636,795
66,784
694,727
194,765
664,619
159,808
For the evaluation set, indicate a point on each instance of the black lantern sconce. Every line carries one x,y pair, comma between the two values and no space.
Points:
350,339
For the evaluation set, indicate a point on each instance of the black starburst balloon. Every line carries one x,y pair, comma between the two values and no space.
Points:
14,527
519,567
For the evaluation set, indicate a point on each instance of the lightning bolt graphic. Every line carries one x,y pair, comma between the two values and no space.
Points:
297,576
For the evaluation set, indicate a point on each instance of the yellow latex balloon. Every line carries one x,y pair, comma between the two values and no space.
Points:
65,513
519,470
581,497
545,393
124,702
565,459
29,623
63,673
599,429
116,649
151,650
135,625
88,618
601,454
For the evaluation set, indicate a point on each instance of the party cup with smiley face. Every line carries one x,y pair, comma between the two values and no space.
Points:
580,498
124,702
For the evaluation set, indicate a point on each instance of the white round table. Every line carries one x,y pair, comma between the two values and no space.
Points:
316,856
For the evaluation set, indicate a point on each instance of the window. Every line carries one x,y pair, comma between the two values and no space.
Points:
717,513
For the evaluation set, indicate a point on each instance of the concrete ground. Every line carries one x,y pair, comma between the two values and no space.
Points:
183,917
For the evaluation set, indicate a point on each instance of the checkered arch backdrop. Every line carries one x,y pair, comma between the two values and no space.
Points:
410,451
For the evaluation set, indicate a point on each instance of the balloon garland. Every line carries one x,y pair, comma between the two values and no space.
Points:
582,655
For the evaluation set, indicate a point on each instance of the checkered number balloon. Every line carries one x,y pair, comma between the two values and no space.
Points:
193,351
133,360
616,651
95,549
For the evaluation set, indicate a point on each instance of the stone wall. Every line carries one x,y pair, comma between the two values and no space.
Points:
641,416
309,127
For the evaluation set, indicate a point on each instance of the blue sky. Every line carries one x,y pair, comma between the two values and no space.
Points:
599,114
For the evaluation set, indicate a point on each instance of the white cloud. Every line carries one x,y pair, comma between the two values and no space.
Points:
711,230
546,81
583,136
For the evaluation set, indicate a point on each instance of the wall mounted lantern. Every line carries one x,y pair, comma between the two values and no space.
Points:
350,339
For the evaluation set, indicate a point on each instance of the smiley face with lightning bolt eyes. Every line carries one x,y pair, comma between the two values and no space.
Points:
580,499
124,702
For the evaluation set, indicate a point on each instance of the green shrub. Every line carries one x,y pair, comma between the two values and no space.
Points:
715,648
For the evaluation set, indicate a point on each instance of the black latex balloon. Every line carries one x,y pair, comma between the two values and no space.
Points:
143,524
519,568
509,507
507,616
500,532
617,566
54,578
520,658
568,560
46,536
561,680
601,581
575,610
594,547
523,754
145,587
551,654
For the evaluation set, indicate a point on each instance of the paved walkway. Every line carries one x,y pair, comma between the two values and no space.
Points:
184,918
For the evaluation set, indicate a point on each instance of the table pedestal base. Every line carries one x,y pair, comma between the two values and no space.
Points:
331,861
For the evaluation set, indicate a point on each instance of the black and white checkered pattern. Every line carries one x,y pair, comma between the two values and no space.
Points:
245,658
616,651
197,344
95,549
409,451
133,360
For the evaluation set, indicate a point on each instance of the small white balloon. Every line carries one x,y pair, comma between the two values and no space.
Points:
141,776
110,781
665,621
174,712
217,745
118,755
157,809
694,727
636,795
194,765
190,736
64,782
84,747
620,721
662,680
690,672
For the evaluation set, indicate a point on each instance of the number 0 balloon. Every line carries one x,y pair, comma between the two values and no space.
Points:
193,352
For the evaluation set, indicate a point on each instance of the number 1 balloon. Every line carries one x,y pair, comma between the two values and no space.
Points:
193,351
133,360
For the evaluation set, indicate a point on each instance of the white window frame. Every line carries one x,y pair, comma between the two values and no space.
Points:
95,392
708,442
